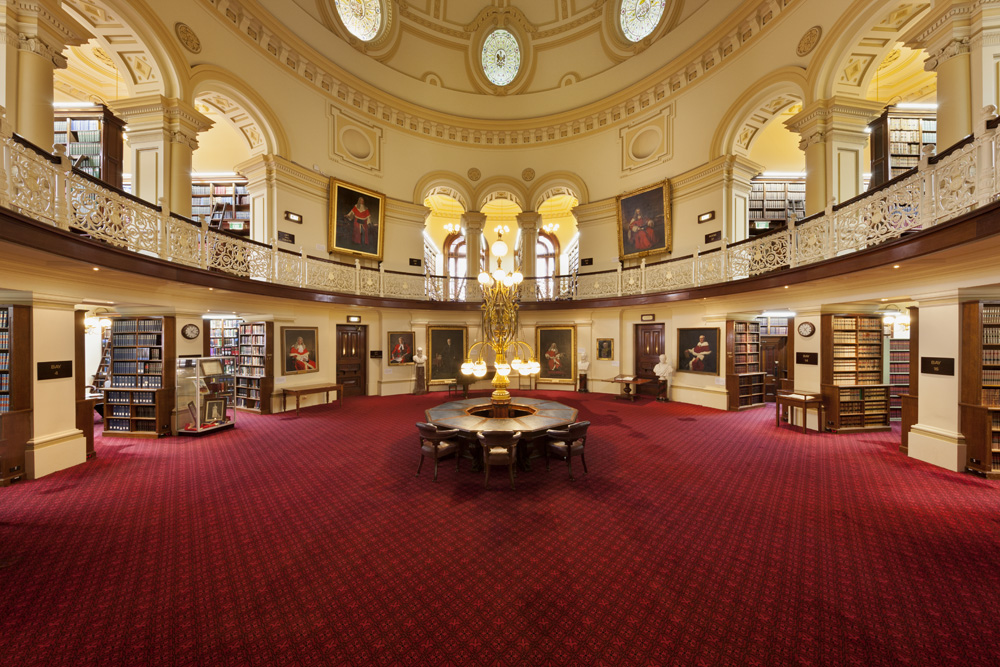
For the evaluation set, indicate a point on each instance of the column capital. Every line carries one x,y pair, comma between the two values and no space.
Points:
178,120
474,221
955,47
836,113
528,220
41,27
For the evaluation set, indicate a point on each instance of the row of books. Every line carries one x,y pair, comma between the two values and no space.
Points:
134,397
135,325
991,357
137,381
991,396
4,318
127,425
136,354
4,403
991,376
991,335
137,368
4,360
126,340
991,314
4,382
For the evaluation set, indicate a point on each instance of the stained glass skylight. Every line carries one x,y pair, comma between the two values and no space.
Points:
501,57
362,17
640,17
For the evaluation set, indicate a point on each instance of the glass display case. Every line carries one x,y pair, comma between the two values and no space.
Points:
206,398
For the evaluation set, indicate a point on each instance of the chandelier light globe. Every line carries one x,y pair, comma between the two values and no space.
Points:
498,274
508,281
518,277
503,369
515,363
479,369
499,249
535,367
485,279
467,368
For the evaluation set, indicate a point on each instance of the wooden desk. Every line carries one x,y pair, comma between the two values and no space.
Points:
626,392
312,389
803,401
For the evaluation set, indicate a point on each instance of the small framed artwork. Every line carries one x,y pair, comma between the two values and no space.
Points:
215,411
446,348
400,348
556,353
356,220
698,350
605,349
644,226
211,367
300,348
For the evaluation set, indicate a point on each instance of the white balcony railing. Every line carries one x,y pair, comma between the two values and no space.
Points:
46,188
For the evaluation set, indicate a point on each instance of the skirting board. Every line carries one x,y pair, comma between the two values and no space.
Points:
940,448
55,452
709,397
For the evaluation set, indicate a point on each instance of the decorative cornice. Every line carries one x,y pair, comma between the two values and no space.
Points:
40,48
955,47
355,94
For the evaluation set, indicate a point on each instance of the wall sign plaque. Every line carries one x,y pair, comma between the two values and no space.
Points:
54,370
937,365
807,358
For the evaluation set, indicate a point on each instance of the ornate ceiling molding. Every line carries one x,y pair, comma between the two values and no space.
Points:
254,23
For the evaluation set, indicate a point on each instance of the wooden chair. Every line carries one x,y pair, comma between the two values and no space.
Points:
437,443
499,448
568,443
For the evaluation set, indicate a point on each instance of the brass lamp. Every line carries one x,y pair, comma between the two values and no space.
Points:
501,295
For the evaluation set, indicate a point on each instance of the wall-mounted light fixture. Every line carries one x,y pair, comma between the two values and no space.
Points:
353,319
293,217
705,217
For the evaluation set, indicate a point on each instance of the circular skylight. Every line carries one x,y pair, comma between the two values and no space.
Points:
501,57
640,17
362,17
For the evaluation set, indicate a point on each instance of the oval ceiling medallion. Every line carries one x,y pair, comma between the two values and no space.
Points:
640,17
645,143
474,174
187,37
809,41
501,57
362,18
356,144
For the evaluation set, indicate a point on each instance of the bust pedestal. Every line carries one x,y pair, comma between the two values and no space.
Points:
583,383
420,387
662,390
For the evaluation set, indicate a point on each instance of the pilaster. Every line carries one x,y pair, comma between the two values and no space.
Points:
474,222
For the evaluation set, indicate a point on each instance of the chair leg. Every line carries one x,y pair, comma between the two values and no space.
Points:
421,465
486,467
510,469
583,460
435,468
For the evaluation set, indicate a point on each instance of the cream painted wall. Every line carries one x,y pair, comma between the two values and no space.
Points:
777,148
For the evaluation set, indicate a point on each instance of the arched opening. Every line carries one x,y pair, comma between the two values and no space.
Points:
456,257
558,228
546,261
778,195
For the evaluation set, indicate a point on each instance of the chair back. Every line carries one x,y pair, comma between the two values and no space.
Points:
505,439
433,433
572,433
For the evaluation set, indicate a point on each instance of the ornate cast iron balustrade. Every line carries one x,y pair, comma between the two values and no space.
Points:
46,188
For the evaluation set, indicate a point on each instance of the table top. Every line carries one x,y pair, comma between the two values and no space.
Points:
630,380
548,414
800,397
313,387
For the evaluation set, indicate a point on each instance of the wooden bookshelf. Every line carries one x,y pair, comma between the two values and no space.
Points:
980,392
897,137
94,139
140,399
226,203
255,368
744,377
15,391
774,202
899,376
223,340
103,373
773,326
854,395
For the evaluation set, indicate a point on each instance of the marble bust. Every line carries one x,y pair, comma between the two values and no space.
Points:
419,357
663,370
584,363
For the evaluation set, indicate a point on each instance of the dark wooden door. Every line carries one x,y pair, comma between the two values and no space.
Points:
774,356
352,358
649,345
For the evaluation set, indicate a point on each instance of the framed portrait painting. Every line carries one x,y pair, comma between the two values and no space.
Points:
644,226
300,350
698,350
605,349
356,220
556,347
400,348
445,351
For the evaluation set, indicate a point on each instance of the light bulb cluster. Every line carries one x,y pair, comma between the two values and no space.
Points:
453,228
550,227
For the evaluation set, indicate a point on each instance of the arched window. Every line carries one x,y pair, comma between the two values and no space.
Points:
362,18
546,264
640,17
456,256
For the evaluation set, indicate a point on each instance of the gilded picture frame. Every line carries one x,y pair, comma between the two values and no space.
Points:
556,349
357,220
401,348
698,350
605,349
299,350
644,224
446,349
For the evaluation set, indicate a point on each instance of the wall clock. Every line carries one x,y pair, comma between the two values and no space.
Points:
807,329
190,331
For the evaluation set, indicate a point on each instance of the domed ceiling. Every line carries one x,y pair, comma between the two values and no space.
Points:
506,58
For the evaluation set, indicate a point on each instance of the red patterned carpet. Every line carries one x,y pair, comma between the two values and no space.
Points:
698,538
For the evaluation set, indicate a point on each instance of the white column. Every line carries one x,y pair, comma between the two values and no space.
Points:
528,223
951,63
162,135
937,437
473,221
34,34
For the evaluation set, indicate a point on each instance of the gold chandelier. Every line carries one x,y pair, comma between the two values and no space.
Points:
501,297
